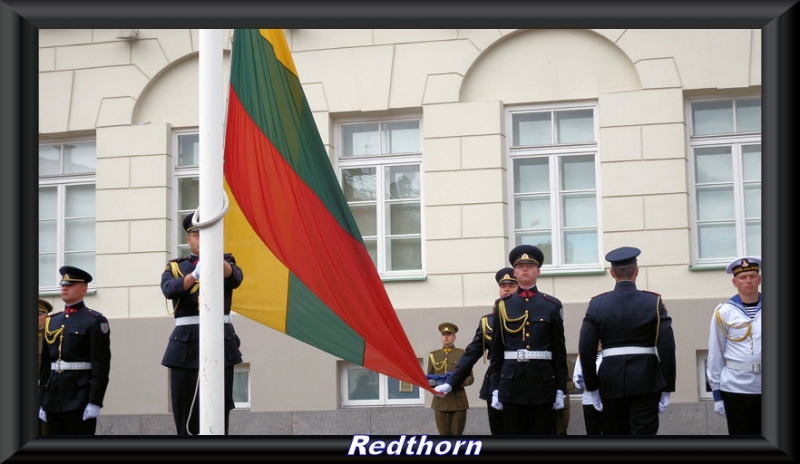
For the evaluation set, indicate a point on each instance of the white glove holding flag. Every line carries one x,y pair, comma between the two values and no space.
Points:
559,403
42,415
663,403
596,401
443,389
496,401
719,407
196,272
91,411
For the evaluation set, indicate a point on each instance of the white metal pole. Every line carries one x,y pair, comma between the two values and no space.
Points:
212,350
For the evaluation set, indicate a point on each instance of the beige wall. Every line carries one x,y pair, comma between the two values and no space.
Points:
132,94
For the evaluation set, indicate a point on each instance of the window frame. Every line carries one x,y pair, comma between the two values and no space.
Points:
180,247
735,141
380,162
703,390
61,182
383,390
242,368
555,153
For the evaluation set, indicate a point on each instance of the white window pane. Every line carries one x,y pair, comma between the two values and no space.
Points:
577,172
47,236
402,181
580,247
748,115
403,219
580,211
532,129
48,274
575,126
713,164
189,150
188,193
532,212
366,217
79,158
752,201
49,160
717,240
401,137
753,240
360,139
531,175
48,203
80,201
83,260
751,162
543,241
362,384
241,387
715,204
714,117
359,184
404,254
79,234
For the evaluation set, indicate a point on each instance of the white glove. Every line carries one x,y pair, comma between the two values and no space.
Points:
42,415
579,382
663,403
443,389
91,411
559,403
196,272
496,401
596,401
719,407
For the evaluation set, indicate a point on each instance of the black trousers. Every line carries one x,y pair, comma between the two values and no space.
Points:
743,413
70,423
185,395
495,419
632,415
594,421
523,419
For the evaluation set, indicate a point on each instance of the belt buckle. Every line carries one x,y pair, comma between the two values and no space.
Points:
756,368
521,356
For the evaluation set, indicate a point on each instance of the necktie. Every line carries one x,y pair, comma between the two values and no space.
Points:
70,310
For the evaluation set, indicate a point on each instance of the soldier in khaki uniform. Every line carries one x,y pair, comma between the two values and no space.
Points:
450,411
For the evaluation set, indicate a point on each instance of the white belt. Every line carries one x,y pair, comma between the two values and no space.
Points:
755,368
187,320
70,366
525,355
629,350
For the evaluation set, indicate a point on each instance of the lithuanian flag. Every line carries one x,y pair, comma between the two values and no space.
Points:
307,271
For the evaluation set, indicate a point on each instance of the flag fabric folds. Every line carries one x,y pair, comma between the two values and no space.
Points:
307,271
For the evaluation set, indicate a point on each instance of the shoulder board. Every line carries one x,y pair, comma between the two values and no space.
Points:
505,297
652,293
177,260
599,294
94,313
460,350
550,298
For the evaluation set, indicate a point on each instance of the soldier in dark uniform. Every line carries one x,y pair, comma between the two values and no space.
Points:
76,361
479,345
528,353
450,411
634,381
44,309
180,282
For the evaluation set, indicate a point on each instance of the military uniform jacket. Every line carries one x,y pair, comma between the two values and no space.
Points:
534,324
441,362
627,317
83,336
479,345
183,348
734,338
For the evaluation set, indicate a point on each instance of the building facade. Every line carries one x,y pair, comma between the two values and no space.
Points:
452,147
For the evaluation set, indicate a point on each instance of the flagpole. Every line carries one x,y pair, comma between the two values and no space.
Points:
212,352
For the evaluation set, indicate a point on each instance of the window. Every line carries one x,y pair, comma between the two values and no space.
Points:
380,168
187,184
363,387
241,385
725,145
703,388
66,209
553,174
